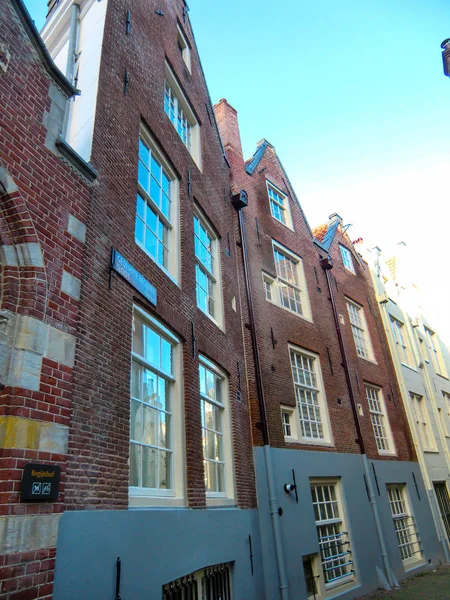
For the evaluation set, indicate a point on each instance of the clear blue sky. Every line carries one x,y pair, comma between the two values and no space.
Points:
353,97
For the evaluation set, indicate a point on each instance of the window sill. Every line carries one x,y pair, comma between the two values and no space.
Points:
443,376
218,502
343,583
292,312
219,325
291,228
163,269
325,443
350,271
414,564
370,360
138,501
430,451
409,367
387,453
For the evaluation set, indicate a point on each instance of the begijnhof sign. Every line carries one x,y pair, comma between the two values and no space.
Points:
40,482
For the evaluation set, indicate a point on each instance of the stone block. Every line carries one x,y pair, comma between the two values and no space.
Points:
31,335
18,432
29,255
25,369
8,256
61,347
77,228
28,532
53,438
71,285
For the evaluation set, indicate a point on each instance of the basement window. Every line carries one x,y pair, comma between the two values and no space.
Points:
211,583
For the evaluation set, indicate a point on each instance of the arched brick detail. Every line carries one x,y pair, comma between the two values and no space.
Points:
24,285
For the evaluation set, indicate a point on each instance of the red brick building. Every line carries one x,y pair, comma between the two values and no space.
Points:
324,385
44,200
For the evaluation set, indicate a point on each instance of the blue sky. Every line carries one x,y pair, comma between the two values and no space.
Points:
353,97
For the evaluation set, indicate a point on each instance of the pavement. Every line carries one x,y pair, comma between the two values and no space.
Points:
432,585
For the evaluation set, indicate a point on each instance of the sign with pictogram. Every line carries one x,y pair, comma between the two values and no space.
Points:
40,482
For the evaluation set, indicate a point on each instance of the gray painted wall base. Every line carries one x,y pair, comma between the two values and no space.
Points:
298,524
156,546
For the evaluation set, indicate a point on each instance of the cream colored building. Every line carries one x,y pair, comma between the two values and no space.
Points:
422,364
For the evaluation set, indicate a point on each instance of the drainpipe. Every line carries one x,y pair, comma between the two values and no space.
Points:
72,56
239,202
327,265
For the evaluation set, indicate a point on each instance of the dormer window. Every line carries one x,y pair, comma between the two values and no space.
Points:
279,205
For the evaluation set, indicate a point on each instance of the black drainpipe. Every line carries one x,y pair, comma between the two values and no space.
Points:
327,265
240,201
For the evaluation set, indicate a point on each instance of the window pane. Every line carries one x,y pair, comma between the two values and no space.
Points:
135,464
164,470
149,467
143,176
149,435
136,380
150,387
152,348
164,430
136,421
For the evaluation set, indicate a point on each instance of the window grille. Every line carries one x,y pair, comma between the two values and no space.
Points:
307,394
378,418
334,543
405,528
212,583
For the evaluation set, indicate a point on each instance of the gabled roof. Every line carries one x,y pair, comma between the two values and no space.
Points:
325,233
251,164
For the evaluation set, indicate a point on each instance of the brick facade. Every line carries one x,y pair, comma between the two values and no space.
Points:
38,318
277,327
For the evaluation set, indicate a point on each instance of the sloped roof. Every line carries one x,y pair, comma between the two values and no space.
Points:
320,231
325,233
252,163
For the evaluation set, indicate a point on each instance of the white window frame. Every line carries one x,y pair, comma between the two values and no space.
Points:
402,341
445,414
289,423
379,419
213,275
360,330
184,47
223,405
435,351
315,404
274,286
347,259
404,525
177,107
422,422
174,495
169,221
279,205
334,521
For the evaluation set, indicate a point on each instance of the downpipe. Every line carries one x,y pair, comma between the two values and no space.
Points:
327,265
239,202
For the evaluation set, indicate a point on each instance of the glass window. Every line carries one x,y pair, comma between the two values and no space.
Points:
215,428
310,397
405,528
379,420
184,48
207,269
347,259
152,379
334,541
181,115
420,414
359,330
154,206
279,205
400,335
435,351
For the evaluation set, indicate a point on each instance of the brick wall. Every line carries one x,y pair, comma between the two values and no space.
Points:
97,473
38,318
318,336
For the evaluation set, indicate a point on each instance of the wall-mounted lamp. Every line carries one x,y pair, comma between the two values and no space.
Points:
292,487
446,56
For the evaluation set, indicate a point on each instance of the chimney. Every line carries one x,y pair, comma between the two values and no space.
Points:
335,217
227,121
